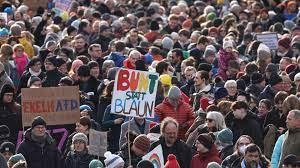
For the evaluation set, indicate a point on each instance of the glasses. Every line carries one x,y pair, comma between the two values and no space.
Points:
209,120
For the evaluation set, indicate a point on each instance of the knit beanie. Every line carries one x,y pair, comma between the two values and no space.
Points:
80,137
285,42
96,164
172,162
289,24
4,132
263,51
38,121
167,43
165,79
145,164
7,89
174,93
211,16
271,67
275,79
213,165
16,158
209,51
225,136
206,140
112,160
220,93
7,147
84,71
154,25
3,32
204,103
142,142
256,78
85,107
227,43
32,79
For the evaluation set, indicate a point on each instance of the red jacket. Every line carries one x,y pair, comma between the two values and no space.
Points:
127,64
183,114
202,160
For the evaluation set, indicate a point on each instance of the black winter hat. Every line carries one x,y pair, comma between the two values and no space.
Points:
32,79
7,89
52,60
7,147
220,93
154,25
145,164
84,71
4,132
38,121
256,78
275,79
206,140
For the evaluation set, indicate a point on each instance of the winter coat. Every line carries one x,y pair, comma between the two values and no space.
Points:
267,93
269,141
247,126
232,161
117,58
182,152
273,117
3,162
125,156
127,64
5,79
103,41
254,90
75,160
114,130
226,151
90,86
183,114
187,87
152,36
52,78
224,58
102,105
133,127
290,144
39,38
36,155
277,152
202,160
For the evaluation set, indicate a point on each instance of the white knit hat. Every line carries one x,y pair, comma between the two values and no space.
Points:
112,160
80,137
227,43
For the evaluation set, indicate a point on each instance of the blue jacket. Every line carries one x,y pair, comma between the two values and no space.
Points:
277,152
117,58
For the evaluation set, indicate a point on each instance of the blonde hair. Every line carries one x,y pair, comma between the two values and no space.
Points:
18,46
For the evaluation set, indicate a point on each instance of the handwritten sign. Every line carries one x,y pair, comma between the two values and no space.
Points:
269,39
57,105
155,157
63,5
134,93
97,143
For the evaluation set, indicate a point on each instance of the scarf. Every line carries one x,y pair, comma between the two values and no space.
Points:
34,73
21,63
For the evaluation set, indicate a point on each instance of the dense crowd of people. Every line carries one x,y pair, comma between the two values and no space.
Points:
224,98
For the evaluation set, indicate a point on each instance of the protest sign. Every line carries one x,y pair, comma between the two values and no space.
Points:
57,105
63,5
134,93
269,39
97,143
4,15
155,157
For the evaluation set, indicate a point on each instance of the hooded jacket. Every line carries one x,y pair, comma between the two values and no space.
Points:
202,160
75,160
37,155
52,78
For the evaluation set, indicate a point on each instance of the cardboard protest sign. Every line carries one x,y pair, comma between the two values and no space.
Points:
155,157
134,93
63,5
269,39
97,142
57,105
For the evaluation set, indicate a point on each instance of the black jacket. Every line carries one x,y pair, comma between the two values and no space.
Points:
36,155
254,90
75,160
125,156
90,86
247,126
52,78
24,80
182,152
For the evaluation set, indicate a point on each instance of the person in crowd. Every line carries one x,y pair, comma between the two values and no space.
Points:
236,158
15,159
7,149
231,87
52,74
171,144
78,156
174,106
4,78
132,58
206,152
20,60
113,161
86,111
253,157
38,147
224,142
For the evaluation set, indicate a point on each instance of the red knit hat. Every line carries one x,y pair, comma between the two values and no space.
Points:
285,42
172,162
142,142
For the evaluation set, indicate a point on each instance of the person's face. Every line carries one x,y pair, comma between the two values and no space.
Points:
213,34
232,72
7,155
39,130
19,52
36,84
170,133
200,148
242,98
264,15
279,105
252,158
95,72
210,58
262,108
49,66
79,146
133,58
174,58
36,67
96,52
137,151
87,28
189,75
211,123
133,37
79,43
81,128
8,97
292,122
281,49
283,64
173,23
18,16
232,90
238,113
222,32
198,80
228,49
194,38
63,69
